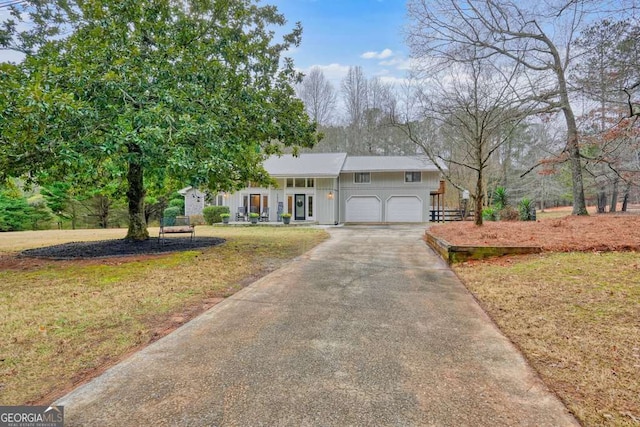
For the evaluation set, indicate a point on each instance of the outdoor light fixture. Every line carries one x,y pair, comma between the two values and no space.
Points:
330,195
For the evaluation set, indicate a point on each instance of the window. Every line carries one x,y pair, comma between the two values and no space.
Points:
362,177
310,206
300,182
412,177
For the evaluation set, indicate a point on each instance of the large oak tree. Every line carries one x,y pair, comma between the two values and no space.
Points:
193,91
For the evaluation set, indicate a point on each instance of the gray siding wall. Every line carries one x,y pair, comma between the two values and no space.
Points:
327,200
193,202
387,184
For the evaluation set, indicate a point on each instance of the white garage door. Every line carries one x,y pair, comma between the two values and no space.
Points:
363,209
404,209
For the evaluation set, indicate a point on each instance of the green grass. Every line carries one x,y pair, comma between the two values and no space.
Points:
576,318
64,319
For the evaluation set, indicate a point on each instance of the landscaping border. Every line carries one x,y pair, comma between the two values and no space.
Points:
454,254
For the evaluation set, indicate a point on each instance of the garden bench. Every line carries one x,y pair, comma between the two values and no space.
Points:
179,224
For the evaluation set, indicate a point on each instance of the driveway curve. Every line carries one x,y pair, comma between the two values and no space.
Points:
368,328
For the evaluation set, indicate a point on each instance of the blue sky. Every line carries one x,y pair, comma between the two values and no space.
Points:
338,34
342,33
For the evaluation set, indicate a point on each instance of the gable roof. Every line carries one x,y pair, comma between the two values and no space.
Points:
306,164
388,164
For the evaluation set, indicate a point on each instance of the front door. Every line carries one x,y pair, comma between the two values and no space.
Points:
299,211
254,203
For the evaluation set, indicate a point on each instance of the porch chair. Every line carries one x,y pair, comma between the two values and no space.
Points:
242,213
264,216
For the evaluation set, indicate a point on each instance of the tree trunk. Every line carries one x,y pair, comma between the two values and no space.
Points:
104,208
135,196
573,146
479,199
602,200
614,197
625,200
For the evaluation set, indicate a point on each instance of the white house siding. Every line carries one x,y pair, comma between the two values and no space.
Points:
193,202
386,185
327,200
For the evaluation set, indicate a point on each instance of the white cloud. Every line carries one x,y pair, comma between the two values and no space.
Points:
333,72
399,63
377,55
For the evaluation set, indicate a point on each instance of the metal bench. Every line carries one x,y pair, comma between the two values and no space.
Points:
177,225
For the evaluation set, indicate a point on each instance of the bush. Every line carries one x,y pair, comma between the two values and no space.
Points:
489,214
212,213
170,215
177,203
500,198
525,208
508,213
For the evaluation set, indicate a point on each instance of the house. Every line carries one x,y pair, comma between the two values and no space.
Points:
332,188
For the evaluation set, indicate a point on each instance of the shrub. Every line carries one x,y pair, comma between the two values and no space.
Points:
177,203
525,208
212,213
170,215
500,198
489,214
508,213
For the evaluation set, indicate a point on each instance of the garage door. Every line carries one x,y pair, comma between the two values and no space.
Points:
404,209
363,209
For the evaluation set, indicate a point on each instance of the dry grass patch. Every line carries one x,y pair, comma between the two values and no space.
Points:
576,317
62,320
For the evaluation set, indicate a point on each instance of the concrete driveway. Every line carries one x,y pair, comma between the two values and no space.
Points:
369,328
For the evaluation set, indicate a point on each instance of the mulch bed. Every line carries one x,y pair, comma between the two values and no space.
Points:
120,247
572,233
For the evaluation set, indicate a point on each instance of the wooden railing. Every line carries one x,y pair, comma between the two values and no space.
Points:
449,215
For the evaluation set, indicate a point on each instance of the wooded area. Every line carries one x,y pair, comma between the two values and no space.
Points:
541,103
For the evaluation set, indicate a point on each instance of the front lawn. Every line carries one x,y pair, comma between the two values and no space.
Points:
62,321
576,317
